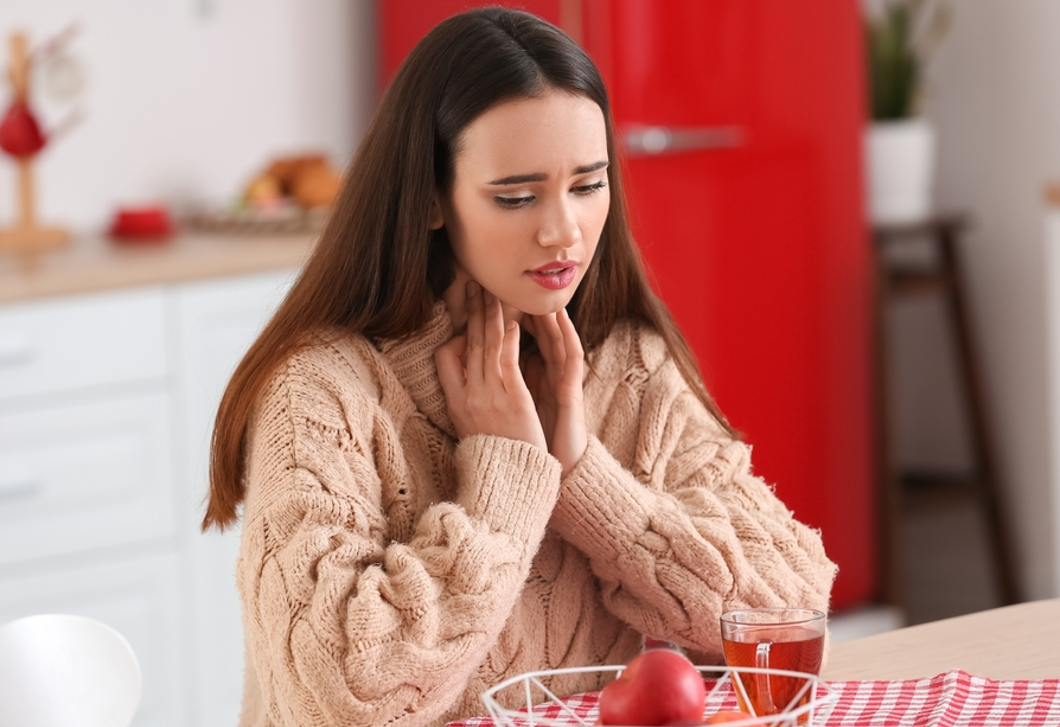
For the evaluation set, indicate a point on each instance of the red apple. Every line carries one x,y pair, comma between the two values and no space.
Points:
20,134
657,687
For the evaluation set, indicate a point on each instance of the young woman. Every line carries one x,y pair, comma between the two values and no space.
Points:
439,489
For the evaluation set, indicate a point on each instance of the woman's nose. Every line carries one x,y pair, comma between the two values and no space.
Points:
559,227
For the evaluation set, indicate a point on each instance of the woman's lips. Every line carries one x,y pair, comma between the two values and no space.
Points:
555,276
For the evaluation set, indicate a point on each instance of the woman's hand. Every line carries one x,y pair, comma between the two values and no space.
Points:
555,380
479,373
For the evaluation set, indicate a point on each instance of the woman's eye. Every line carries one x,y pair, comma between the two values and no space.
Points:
588,189
513,202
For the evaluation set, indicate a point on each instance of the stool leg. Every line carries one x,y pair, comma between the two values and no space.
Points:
986,476
888,482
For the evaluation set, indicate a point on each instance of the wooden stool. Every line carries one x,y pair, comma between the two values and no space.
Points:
901,491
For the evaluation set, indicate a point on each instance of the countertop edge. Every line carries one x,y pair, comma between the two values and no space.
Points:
94,265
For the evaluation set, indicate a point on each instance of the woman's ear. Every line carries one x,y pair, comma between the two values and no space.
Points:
435,219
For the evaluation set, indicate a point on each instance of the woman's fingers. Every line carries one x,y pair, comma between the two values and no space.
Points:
550,341
511,374
476,332
494,339
479,373
485,335
568,434
449,360
574,361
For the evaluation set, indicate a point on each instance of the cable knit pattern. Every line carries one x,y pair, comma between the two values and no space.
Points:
390,574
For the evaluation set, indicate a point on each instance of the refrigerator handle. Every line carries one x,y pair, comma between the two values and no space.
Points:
654,140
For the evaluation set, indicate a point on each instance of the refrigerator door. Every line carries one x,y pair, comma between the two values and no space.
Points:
741,122
403,22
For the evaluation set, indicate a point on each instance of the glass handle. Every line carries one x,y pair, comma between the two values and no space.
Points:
765,694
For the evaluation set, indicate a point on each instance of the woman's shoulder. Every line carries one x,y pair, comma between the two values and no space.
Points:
631,344
329,371
333,351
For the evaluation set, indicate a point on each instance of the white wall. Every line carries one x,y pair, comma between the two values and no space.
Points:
995,96
187,99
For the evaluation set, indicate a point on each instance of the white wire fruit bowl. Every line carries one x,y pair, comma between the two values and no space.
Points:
538,698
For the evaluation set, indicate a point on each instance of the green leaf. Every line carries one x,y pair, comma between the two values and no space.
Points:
893,67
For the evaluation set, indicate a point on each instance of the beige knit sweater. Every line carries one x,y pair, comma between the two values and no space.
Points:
390,574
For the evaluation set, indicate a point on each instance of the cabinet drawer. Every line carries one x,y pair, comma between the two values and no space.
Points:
80,477
80,341
138,597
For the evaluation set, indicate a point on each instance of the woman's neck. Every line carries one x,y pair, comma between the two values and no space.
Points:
455,297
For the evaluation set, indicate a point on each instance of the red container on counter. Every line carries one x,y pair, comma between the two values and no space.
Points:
141,224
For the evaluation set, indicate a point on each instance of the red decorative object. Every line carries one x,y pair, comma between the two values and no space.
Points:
20,134
147,224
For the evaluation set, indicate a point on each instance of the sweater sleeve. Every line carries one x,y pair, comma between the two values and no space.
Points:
344,626
679,530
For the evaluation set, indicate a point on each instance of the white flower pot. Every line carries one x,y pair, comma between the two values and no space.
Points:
900,161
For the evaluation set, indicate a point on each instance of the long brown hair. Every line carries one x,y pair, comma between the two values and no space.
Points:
378,269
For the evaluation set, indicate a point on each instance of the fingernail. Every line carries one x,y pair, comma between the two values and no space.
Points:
472,289
487,297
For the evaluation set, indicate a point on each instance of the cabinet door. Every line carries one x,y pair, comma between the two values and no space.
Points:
138,597
218,321
78,342
85,477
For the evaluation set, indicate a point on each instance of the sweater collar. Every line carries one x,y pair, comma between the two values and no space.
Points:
411,358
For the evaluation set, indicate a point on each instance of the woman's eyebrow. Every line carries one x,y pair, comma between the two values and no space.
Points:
591,167
519,179
541,177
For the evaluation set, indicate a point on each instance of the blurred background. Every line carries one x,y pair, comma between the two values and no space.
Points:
848,207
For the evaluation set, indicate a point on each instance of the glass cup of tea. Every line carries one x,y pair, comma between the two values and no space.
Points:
789,639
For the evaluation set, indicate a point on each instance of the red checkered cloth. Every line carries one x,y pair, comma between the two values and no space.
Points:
953,699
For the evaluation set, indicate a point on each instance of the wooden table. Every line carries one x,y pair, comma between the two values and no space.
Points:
1012,642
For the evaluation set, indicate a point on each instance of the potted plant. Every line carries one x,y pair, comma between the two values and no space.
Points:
900,36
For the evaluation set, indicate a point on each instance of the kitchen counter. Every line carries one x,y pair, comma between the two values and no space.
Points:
93,263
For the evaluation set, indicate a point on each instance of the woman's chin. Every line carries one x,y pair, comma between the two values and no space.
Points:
542,307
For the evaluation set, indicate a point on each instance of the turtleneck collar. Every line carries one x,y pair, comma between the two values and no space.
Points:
411,358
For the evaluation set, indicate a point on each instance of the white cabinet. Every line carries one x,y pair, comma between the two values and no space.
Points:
85,476
106,407
216,323
82,342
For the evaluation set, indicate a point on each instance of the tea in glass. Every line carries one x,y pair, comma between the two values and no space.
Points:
789,639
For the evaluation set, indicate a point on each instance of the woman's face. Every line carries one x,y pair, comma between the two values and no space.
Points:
529,200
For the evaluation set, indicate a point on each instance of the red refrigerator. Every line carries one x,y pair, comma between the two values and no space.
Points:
740,127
